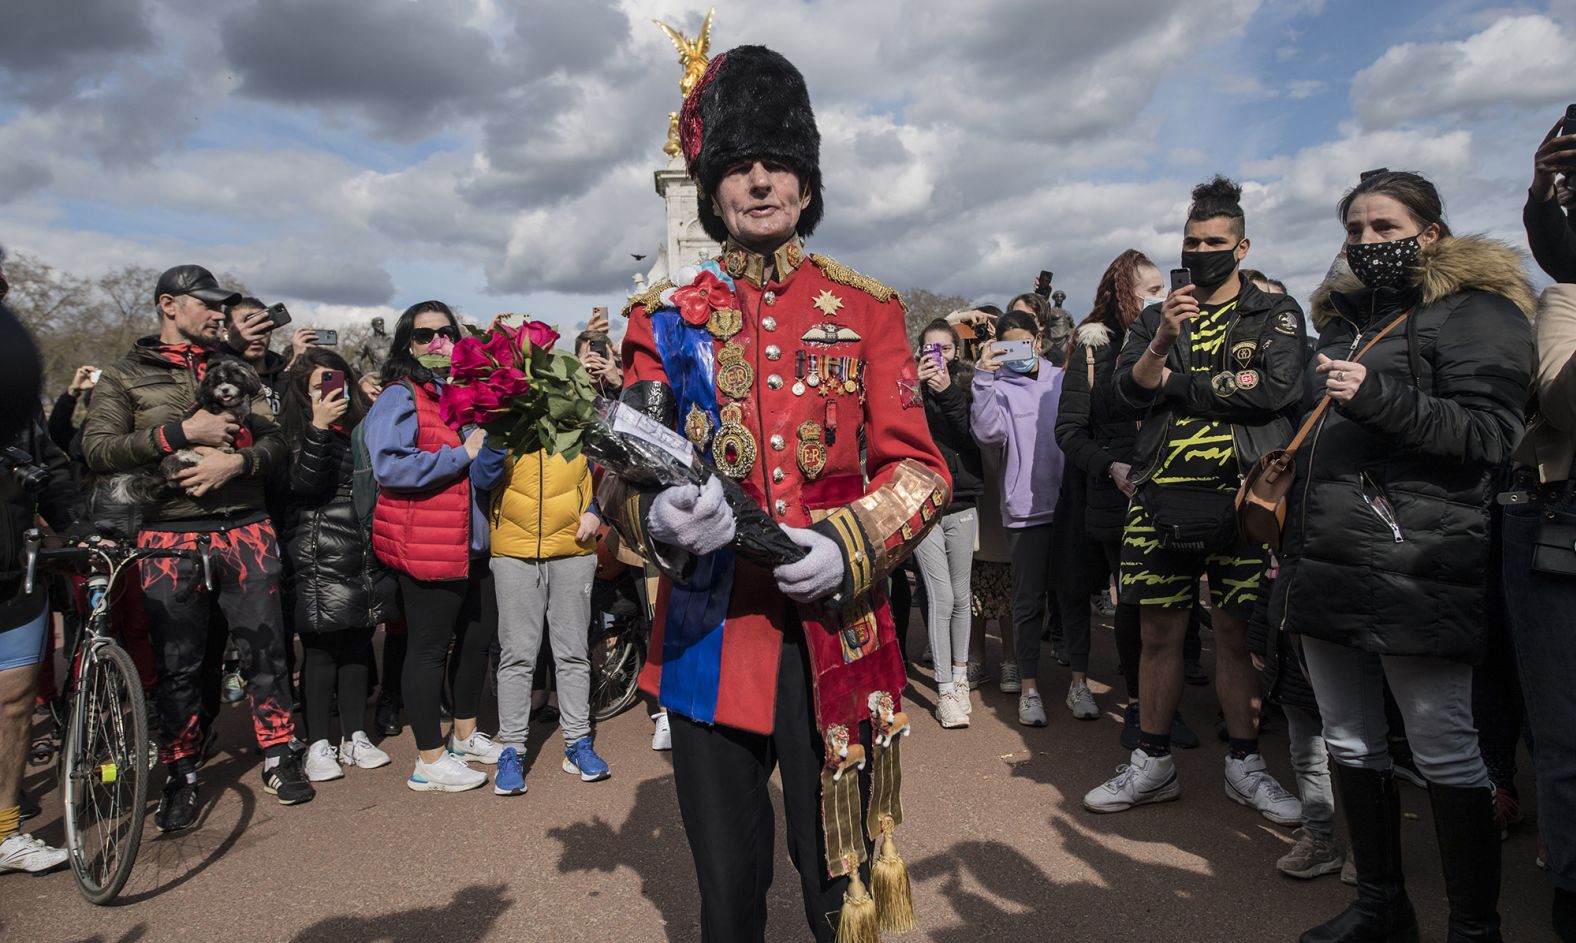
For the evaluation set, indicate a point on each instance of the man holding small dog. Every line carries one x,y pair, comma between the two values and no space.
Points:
144,410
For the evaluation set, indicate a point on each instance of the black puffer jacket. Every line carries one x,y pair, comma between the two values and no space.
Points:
1091,431
947,413
335,580
1387,533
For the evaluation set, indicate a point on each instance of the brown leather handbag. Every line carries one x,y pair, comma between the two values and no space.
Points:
1261,501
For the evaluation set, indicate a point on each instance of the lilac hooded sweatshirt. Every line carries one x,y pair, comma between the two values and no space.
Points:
1015,415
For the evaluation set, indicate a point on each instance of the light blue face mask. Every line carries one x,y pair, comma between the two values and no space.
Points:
1025,365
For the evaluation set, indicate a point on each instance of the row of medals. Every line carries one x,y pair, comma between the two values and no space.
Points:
733,447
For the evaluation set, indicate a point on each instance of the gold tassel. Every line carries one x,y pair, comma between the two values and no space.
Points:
889,881
857,923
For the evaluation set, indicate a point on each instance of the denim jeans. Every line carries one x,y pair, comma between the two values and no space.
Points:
1311,760
1542,612
1435,697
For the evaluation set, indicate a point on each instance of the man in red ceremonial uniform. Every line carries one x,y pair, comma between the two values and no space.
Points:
792,374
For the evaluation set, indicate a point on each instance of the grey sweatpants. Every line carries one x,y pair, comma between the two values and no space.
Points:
529,592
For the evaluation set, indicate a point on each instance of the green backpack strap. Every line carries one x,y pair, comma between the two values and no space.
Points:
363,487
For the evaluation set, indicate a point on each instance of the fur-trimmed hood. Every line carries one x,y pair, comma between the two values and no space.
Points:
1450,265
1094,334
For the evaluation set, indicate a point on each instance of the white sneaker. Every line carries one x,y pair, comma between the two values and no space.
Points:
1010,682
23,852
950,712
477,748
1031,713
445,774
662,733
1144,779
322,762
1248,782
1081,702
360,752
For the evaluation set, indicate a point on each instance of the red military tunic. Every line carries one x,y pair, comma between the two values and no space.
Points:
815,368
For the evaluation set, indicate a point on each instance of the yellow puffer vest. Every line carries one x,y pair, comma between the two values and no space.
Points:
535,516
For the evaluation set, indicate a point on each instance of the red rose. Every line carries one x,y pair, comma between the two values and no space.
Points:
500,347
696,301
469,360
508,382
540,334
485,402
457,405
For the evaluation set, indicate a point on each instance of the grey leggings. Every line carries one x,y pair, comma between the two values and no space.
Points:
945,559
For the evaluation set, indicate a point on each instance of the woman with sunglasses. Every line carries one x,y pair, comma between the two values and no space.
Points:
431,527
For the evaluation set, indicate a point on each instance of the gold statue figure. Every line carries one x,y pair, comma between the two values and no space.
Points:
693,58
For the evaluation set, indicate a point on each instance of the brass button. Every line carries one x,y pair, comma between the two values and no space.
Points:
778,474
774,382
777,443
769,323
782,506
773,352
770,297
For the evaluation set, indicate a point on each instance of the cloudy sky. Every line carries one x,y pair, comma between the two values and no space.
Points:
352,158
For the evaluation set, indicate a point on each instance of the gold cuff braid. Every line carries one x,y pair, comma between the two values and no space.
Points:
896,516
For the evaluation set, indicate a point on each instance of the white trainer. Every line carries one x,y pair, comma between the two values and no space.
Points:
477,748
1031,713
322,762
1010,682
1248,782
1143,780
662,732
23,852
445,774
1081,702
950,712
361,753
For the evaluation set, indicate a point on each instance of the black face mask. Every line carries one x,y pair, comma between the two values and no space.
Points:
1384,264
1211,268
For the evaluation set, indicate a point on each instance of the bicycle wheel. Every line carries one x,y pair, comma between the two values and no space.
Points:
616,661
104,772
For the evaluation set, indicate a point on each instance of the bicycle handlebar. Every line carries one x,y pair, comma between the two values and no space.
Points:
34,552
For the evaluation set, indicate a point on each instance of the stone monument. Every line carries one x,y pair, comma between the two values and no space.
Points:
685,242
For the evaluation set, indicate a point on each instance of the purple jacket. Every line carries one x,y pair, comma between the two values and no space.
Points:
1015,414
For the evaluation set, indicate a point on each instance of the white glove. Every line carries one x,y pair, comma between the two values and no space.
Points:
693,518
818,575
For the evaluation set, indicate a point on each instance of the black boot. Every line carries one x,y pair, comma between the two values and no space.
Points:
1381,913
1469,849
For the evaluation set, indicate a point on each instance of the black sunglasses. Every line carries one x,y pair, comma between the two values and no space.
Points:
424,335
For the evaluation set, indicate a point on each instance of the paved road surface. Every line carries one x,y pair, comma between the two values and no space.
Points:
998,845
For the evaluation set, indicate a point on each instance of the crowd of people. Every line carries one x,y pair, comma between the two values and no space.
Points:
1409,624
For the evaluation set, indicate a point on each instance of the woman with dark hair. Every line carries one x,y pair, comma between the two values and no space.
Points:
340,592
1099,443
1425,357
946,554
1056,325
430,526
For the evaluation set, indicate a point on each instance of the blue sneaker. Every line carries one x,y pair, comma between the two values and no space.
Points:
510,778
580,758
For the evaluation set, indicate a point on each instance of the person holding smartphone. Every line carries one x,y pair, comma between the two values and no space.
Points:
1551,229
1211,373
338,589
249,329
595,352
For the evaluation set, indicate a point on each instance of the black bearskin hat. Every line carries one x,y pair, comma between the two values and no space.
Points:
751,104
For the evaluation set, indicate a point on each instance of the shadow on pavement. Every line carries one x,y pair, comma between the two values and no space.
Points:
469,916
170,860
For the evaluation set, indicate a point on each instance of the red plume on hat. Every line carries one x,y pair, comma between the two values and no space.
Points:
751,104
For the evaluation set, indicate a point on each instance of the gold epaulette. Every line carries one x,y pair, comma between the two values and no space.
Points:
650,298
843,275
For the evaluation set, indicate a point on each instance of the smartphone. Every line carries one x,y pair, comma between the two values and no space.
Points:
1042,285
278,314
332,380
93,376
1007,351
1570,120
600,349
326,337
600,311
1181,278
933,351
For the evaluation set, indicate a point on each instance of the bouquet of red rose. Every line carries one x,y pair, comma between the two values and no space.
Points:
529,398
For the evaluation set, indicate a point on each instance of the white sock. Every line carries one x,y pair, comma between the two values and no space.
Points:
960,673
269,762
946,687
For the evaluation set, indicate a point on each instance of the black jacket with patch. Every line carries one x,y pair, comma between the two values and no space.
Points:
1091,429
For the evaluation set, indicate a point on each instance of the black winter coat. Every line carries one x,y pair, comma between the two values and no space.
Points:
335,579
1387,534
1092,432
58,498
947,413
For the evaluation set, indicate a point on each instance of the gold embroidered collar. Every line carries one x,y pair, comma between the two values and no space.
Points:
740,262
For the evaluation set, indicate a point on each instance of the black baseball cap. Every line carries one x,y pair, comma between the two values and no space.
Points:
196,281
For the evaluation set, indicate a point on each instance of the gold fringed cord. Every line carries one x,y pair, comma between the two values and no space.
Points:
889,882
857,923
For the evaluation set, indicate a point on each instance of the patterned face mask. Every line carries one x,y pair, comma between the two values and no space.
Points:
1384,264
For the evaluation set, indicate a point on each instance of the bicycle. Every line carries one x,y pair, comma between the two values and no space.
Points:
104,765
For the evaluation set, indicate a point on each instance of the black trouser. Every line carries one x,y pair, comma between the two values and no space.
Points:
464,612
1031,587
723,778
245,566
333,661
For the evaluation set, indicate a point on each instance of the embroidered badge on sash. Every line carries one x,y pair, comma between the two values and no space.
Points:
698,426
812,450
734,375
733,449
859,638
